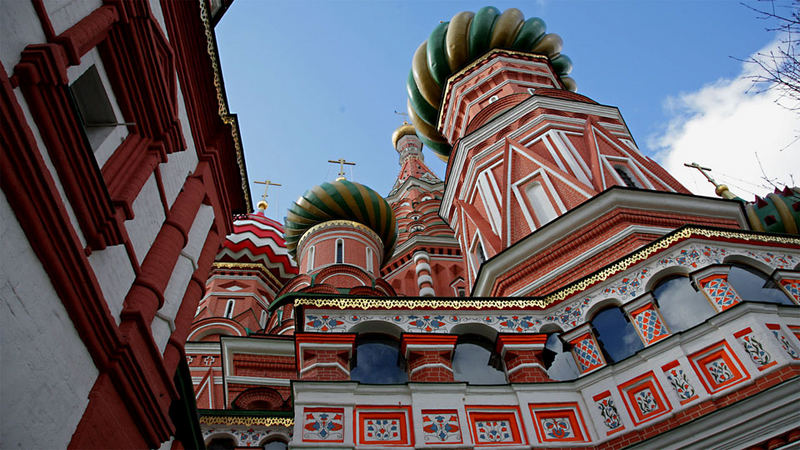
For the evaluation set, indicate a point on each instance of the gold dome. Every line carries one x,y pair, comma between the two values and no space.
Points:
405,129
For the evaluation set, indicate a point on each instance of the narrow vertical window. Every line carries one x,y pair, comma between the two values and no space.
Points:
339,251
229,309
478,254
369,259
626,176
311,252
542,208
263,321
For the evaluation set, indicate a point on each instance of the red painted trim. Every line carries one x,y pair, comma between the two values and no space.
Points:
668,366
44,20
427,339
741,333
718,350
386,412
30,189
510,413
601,395
42,77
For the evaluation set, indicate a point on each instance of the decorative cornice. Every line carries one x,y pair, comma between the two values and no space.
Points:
339,223
615,197
247,266
496,53
557,296
247,420
224,113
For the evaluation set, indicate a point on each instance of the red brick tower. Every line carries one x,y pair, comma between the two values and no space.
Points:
427,260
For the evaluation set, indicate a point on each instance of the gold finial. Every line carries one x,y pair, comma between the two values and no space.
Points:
720,189
341,163
263,205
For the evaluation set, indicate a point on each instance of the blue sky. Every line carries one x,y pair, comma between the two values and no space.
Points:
318,80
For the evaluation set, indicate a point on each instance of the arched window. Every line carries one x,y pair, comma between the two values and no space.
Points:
369,259
377,360
221,443
615,334
311,251
473,361
680,304
229,309
542,208
559,363
752,285
275,445
339,251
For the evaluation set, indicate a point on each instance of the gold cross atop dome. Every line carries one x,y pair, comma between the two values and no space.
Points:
721,189
341,162
262,205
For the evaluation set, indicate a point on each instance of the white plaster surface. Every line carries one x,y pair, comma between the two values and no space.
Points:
46,372
66,13
179,164
20,27
181,275
147,220
114,272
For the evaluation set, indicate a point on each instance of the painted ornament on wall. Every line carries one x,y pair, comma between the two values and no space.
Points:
326,425
441,426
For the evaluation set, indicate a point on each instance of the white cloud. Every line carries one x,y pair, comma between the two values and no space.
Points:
725,128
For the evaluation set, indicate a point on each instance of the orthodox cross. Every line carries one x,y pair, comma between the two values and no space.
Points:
341,163
702,170
267,184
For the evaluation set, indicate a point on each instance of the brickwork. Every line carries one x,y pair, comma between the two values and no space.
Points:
588,236
523,357
704,408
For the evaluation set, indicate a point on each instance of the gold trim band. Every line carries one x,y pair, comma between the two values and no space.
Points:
247,420
636,257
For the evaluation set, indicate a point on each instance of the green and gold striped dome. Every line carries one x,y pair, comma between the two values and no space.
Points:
466,37
341,199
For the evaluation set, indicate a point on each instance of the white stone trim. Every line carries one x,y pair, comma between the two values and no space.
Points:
427,366
324,364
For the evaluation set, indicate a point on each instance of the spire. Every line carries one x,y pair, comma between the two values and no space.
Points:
341,162
721,189
412,161
263,205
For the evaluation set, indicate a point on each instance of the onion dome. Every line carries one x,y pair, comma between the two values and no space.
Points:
778,212
405,129
341,199
258,239
466,37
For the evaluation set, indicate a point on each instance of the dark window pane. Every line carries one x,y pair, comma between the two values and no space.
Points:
221,444
615,334
681,306
276,445
339,252
563,365
471,364
754,286
377,362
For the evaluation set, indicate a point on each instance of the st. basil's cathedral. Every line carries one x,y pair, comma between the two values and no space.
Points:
557,289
